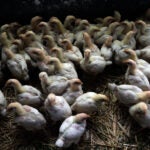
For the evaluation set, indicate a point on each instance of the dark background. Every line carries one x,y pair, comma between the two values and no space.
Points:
23,10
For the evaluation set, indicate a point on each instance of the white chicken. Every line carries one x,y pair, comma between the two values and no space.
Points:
74,91
93,64
88,102
53,84
136,77
17,65
129,94
57,107
71,130
28,117
63,69
26,94
141,113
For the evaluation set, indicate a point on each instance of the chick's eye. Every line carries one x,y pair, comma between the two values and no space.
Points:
53,25
129,63
11,83
28,35
72,23
51,62
34,53
44,42
127,52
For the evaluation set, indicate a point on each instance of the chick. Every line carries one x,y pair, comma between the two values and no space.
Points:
17,65
109,19
104,22
60,31
58,53
40,60
26,94
105,33
136,77
144,53
81,25
143,31
88,44
6,28
69,22
71,130
20,48
141,113
142,65
74,91
120,30
94,31
93,65
129,94
34,23
118,46
57,107
97,33
127,42
80,29
106,50
63,69
49,43
72,52
56,25
123,29
53,84
14,26
87,103
37,54
30,39
45,29
6,44
28,117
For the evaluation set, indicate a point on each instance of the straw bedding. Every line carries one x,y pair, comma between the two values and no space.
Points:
110,128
